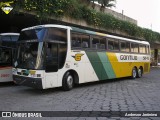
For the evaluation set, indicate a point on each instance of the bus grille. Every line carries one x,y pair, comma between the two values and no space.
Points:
146,67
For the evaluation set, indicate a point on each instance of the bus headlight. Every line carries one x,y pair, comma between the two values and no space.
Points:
32,72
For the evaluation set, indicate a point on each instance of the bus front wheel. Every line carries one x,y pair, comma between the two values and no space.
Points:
134,73
68,81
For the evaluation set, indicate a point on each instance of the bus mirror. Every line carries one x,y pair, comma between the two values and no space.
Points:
51,68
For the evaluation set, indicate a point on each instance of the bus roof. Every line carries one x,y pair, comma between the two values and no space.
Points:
85,31
46,26
1,34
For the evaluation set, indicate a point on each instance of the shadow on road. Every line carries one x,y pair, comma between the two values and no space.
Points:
6,84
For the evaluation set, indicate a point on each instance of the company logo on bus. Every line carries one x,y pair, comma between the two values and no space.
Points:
6,7
78,56
128,57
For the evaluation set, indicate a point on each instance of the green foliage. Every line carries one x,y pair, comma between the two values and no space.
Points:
106,3
79,10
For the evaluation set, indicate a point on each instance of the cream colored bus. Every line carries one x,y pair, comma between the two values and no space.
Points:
51,56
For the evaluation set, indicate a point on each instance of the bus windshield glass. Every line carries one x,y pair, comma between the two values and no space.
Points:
30,55
5,56
29,52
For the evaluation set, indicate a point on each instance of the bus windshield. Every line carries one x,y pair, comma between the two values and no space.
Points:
5,56
30,55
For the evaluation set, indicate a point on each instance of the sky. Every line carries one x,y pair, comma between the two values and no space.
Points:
146,12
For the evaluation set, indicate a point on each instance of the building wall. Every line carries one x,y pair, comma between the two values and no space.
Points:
117,15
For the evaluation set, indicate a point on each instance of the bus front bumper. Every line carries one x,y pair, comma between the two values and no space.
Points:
27,81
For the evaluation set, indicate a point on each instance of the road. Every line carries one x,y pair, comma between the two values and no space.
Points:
125,94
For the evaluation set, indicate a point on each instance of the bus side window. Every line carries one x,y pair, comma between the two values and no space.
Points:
123,46
134,47
76,40
110,45
116,45
142,49
95,43
103,43
128,47
147,49
85,41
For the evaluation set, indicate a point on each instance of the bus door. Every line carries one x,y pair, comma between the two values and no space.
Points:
51,65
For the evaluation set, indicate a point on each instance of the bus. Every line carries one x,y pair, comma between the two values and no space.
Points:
53,55
7,50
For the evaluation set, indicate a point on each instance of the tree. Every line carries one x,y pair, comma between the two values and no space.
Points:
107,3
104,3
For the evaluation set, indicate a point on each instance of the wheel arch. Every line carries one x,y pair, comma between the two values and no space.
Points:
74,74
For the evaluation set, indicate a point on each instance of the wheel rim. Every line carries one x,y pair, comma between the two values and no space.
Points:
70,81
134,73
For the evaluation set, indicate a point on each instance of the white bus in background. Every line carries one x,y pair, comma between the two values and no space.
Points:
51,56
7,49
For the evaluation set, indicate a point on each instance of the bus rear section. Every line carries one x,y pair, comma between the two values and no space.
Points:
7,50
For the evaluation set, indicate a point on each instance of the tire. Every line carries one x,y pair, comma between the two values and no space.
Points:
68,82
139,73
134,73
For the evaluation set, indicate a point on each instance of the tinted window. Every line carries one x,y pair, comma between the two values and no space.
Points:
85,41
113,45
80,40
103,43
58,35
52,57
5,56
14,38
142,49
98,42
134,47
28,35
125,46
76,40
110,45
6,38
116,45
147,49
62,54
95,43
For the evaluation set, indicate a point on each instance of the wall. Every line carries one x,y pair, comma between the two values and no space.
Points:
115,14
